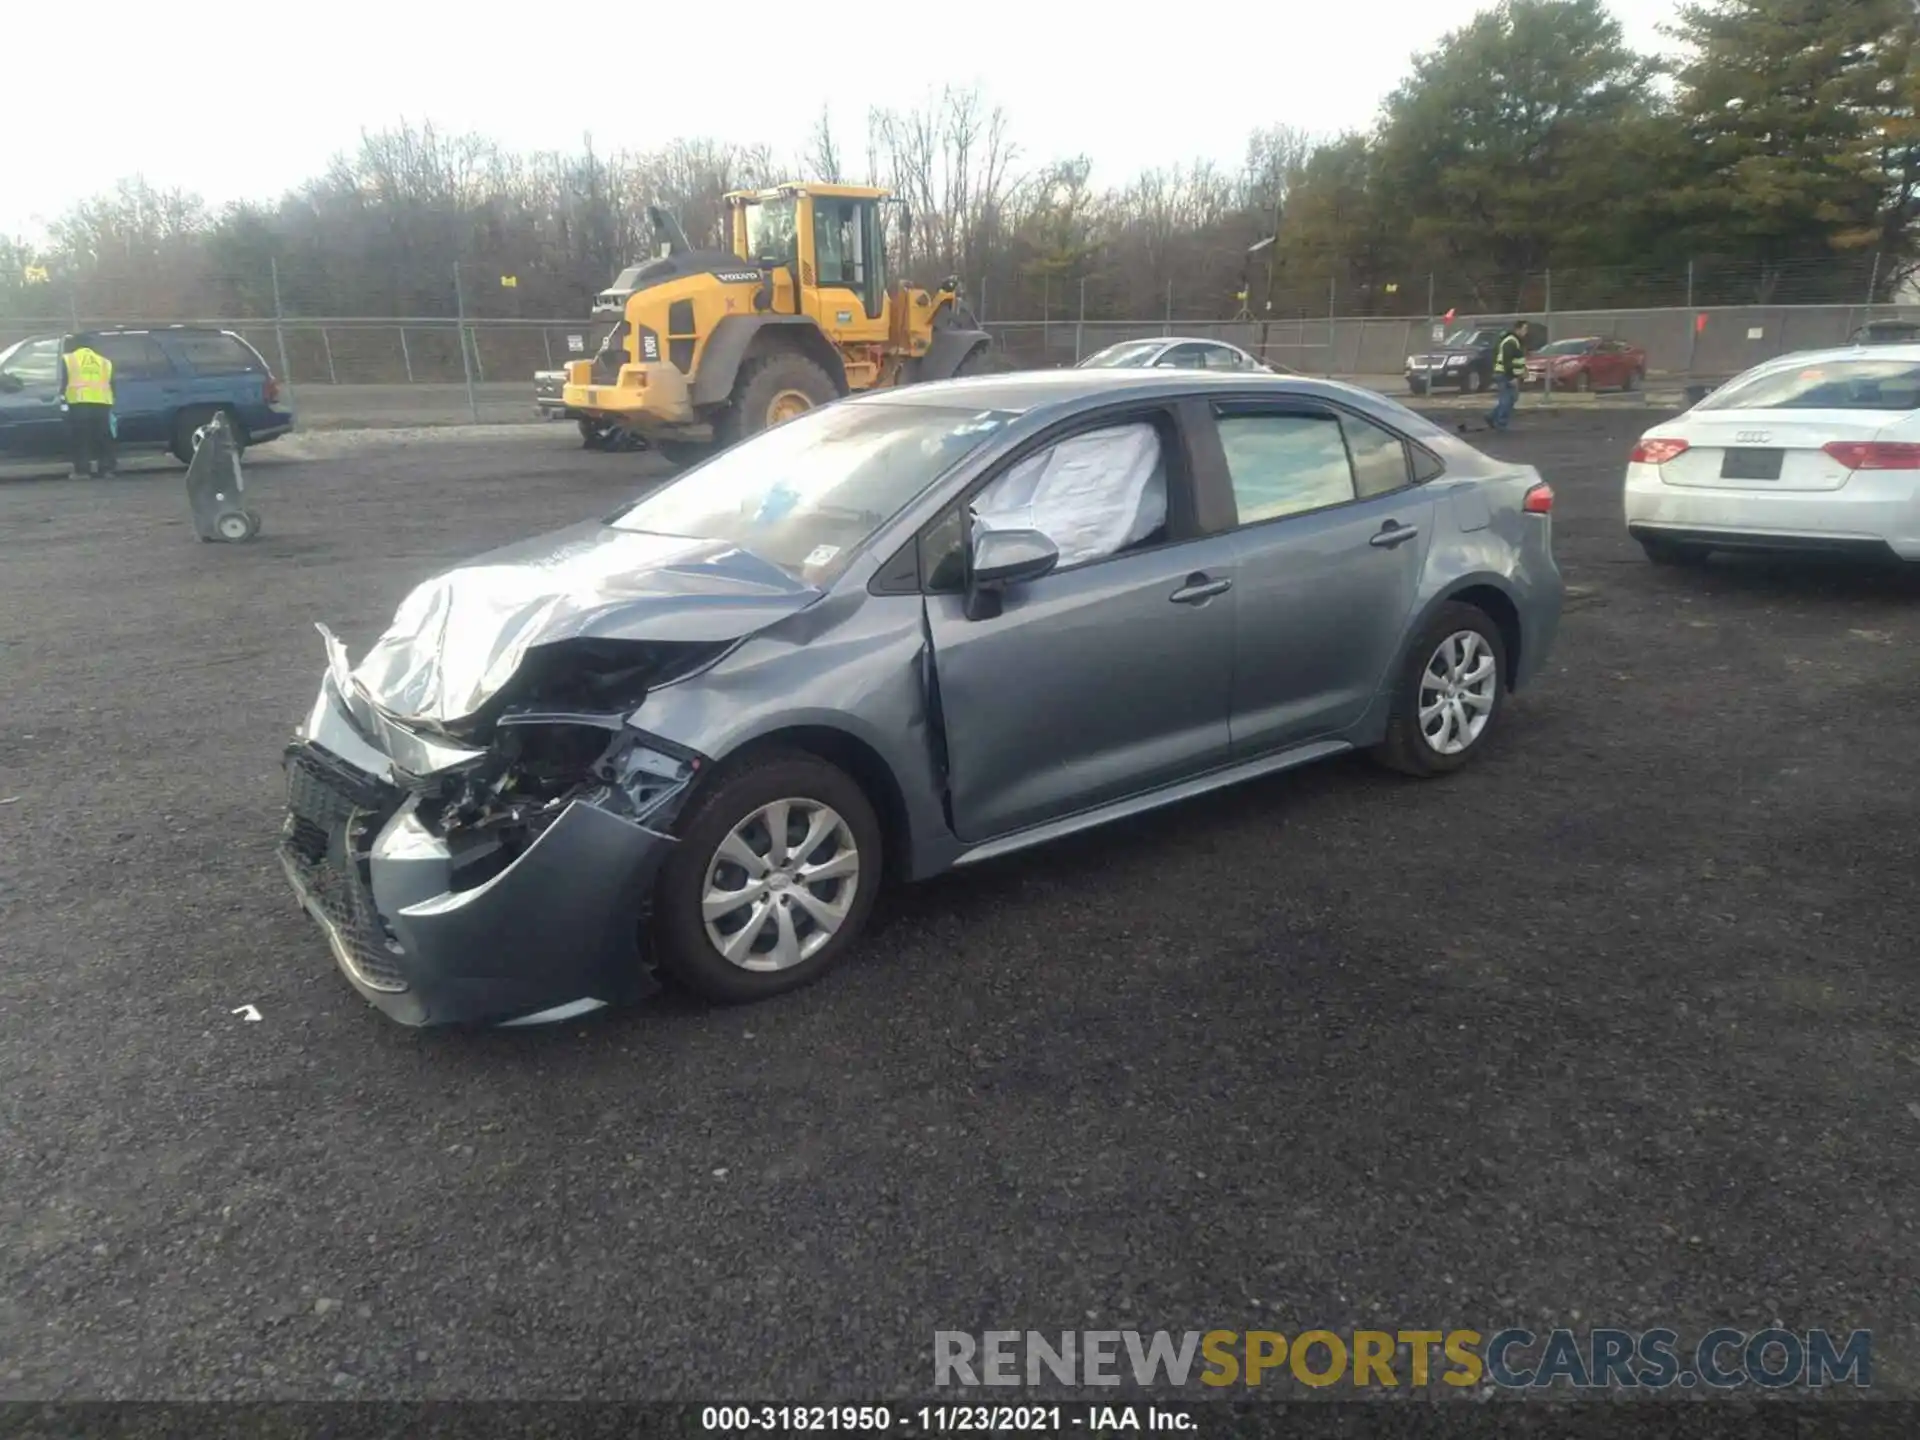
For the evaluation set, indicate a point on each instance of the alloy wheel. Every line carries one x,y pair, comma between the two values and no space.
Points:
1457,690
780,885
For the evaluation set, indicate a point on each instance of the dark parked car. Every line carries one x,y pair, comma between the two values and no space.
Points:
167,383
1593,362
1464,360
1887,332
909,631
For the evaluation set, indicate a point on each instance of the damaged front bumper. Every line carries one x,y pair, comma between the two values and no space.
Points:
437,925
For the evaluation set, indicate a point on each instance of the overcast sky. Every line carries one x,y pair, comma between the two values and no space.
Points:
244,100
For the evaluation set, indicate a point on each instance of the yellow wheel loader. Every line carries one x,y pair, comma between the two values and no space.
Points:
716,345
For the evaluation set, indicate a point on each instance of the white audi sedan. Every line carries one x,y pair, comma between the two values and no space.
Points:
1812,453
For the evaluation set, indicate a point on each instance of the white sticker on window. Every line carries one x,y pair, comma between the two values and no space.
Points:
820,555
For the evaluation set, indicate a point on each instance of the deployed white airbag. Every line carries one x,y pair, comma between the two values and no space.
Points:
1092,495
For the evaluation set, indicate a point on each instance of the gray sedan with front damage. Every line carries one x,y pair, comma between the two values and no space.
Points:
905,632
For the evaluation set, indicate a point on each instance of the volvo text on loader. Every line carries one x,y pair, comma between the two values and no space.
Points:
717,345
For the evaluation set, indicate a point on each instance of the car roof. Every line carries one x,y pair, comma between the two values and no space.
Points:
1909,351
1062,391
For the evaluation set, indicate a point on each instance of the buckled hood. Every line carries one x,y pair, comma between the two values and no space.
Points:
458,639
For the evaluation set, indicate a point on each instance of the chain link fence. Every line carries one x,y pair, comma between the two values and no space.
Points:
467,327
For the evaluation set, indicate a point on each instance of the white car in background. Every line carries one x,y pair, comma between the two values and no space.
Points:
1178,352
1813,453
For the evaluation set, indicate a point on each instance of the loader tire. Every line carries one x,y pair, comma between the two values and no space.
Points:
772,389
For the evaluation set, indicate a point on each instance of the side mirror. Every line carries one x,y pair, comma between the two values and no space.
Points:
1003,558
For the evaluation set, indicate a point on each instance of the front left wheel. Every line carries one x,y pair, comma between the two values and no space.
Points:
771,882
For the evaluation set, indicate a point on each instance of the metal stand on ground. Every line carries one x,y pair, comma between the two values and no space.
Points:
215,488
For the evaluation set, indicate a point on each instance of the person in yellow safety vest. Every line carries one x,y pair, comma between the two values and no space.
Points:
1509,367
86,396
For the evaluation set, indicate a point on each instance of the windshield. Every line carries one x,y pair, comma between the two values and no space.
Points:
1130,352
1835,385
807,494
1569,347
1473,337
771,231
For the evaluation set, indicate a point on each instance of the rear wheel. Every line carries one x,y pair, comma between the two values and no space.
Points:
1450,693
773,389
1473,382
1675,552
771,882
596,434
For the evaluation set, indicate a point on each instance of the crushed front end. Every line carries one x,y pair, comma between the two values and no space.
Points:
495,877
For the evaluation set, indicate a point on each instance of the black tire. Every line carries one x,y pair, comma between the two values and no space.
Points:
1406,748
764,380
1675,552
682,453
1473,382
593,434
1584,382
1417,387
1634,378
686,955
191,420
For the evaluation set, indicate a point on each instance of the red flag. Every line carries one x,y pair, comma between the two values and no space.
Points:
1448,317
1700,324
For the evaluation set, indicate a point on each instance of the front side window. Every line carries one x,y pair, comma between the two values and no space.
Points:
1571,347
1892,385
772,231
807,494
32,362
1223,357
839,243
1092,495
1185,357
1285,464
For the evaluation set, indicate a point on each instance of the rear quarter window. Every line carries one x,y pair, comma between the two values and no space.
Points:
210,354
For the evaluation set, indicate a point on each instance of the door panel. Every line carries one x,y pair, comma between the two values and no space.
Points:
1322,613
1091,685
31,424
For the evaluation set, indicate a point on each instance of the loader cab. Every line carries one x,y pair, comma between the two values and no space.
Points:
831,239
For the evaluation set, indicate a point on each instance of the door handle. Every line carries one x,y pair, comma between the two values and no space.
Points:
1198,588
1393,533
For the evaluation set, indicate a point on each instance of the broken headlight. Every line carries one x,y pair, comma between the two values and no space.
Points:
536,767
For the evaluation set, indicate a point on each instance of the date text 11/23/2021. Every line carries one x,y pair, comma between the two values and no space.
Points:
943,1419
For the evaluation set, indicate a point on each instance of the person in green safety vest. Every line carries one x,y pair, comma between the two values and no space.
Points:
1509,367
85,381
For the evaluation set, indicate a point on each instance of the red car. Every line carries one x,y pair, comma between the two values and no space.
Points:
1591,363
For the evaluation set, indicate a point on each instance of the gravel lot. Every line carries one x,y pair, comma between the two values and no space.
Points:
1618,1027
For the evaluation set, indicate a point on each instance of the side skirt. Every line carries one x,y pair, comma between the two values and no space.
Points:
1151,800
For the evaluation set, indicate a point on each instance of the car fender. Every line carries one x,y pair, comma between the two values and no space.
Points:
873,693
1428,608
726,350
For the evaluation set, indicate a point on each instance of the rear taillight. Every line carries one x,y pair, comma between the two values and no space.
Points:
273,390
1658,452
1539,500
1874,454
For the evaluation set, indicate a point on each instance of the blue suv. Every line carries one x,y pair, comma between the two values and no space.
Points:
167,382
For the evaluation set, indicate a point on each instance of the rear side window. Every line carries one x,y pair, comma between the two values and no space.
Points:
1379,458
211,353
1828,385
1285,464
135,357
